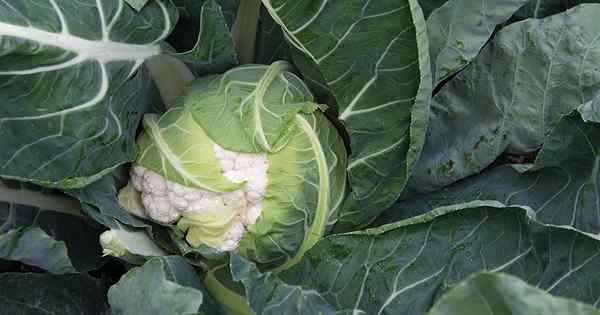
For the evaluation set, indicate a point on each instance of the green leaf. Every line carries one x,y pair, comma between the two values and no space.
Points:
166,285
202,37
230,9
307,185
250,108
374,58
32,246
46,294
266,292
214,49
171,146
100,201
543,8
509,99
459,29
189,18
561,187
46,229
402,268
497,293
69,110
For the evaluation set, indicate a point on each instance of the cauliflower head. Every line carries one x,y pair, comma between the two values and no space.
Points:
247,163
167,201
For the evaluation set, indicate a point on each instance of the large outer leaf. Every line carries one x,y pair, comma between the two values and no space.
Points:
46,294
166,285
403,268
46,229
374,59
562,186
266,291
70,95
531,74
543,8
497,293
459,29
33,246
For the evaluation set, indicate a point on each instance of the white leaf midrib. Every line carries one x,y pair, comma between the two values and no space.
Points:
102,50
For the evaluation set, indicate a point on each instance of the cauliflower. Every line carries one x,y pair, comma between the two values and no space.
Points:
166,201
247,162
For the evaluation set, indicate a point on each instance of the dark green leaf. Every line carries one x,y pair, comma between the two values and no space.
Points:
166,285
69,110
45,229
509,99
374,58
497,293
100,201
543,8
46,294
403,268
561,187
203,38
459,29
268,294
32,246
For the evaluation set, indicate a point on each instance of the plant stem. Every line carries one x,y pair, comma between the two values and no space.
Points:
171,77
37,199
233,303
245,28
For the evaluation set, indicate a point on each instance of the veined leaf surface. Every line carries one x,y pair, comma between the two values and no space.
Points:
374,58
508,100
71,93
404,267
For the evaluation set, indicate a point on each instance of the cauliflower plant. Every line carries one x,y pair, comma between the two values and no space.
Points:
247,162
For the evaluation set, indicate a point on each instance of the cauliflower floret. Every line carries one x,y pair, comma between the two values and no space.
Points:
159,208
250,217
165,201
233,237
